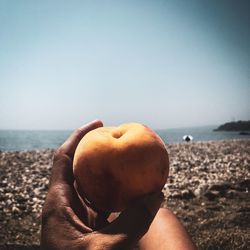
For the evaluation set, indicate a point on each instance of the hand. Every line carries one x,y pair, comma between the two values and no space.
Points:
69,223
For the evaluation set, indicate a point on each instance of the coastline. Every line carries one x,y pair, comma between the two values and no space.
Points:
208,189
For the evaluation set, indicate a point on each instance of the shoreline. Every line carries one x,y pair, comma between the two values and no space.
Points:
244,138
208,189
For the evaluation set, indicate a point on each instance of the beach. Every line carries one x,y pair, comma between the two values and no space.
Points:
208,189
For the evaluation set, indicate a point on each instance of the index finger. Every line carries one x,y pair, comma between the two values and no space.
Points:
69,146
62,171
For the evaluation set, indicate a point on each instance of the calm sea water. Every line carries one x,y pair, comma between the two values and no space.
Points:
34,139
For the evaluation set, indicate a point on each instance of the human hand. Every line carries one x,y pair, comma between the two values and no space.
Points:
70,223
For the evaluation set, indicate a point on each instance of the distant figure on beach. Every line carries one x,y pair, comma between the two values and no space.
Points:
187,138
68,222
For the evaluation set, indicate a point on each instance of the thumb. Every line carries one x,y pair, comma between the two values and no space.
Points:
134,222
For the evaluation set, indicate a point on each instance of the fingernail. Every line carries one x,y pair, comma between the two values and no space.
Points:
95,121
153,202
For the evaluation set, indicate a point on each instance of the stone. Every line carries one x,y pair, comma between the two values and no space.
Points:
243,185
232,194
223,187
15,210
187,194
212,194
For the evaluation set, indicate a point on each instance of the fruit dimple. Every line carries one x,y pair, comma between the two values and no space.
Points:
117,134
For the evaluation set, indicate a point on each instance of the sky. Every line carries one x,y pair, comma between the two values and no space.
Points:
165,63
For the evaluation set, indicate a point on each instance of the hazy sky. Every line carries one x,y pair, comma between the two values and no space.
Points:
163,63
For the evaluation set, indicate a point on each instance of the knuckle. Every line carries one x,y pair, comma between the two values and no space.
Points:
78,130
79,133
47,213
49,209
58,154
54,212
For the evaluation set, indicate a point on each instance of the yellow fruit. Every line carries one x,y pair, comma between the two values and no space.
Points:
114,166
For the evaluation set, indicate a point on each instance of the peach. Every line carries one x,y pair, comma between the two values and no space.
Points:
114,166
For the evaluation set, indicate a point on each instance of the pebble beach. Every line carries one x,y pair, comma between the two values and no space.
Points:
208,189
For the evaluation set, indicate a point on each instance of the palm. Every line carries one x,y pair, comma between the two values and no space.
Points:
68,222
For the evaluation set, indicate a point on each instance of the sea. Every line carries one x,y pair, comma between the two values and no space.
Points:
16,140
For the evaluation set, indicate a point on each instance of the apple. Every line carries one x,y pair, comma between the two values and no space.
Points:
114,166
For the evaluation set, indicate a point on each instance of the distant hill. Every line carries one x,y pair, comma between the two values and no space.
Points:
234,126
